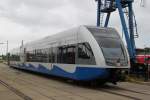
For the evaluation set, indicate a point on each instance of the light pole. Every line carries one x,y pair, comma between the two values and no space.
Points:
6,48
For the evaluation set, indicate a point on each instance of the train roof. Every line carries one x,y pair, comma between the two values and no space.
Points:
67,35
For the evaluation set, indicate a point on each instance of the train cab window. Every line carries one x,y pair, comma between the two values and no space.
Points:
111,45
104,32
85,54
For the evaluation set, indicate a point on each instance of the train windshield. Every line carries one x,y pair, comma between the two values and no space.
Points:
111,45
111,48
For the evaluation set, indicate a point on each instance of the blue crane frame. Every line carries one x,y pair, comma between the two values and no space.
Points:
129,34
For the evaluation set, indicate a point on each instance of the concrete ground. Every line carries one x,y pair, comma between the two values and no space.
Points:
21,85
6,94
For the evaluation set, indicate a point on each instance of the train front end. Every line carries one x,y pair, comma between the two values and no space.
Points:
111,51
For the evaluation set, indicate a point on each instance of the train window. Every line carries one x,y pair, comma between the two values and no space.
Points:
39,55
60,55
82,52
44,55
54,55
30,56
104,32
85,54
66,54
70,54
14,57
50,55
112,48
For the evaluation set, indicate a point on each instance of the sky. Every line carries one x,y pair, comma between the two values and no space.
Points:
30,20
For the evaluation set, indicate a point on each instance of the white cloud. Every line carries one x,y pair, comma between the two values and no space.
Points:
32,19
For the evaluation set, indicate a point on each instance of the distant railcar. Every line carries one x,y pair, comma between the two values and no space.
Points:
142,55
85,53
141,67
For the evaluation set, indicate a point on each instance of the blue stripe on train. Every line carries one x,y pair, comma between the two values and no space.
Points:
81,73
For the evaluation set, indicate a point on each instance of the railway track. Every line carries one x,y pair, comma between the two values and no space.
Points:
123,95
14,90
68,89
124,89
106,89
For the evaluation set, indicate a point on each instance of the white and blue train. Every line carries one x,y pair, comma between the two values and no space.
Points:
84,53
